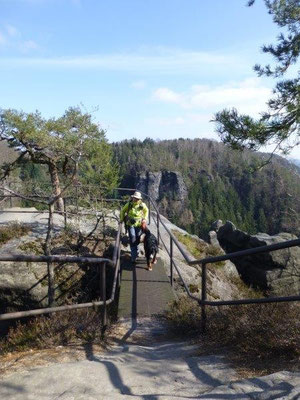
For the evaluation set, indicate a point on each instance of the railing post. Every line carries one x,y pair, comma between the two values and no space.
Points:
149,218
65,212
203,299
10,199
103,295
171,260
157,224
50,284
76,191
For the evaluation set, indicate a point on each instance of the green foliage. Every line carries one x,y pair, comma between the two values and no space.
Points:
34,247
98,170
69,146
222,184
199,249
280,125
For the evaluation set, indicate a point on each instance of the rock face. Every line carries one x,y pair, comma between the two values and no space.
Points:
168,190
162,184
221,280
149,183
277,272
24,285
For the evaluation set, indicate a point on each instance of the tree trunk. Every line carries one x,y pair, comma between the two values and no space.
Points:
56,186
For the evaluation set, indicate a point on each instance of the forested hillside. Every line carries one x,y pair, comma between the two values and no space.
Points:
222,183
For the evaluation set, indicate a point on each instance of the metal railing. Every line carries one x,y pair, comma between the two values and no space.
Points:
203,302
99,262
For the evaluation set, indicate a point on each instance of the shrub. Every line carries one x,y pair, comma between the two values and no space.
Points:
262,330
12,230
268,333
57,329
184,317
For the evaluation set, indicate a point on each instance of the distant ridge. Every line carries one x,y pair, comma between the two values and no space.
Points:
220,183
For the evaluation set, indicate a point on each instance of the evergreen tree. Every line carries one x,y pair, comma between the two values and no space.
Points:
280,125
63,145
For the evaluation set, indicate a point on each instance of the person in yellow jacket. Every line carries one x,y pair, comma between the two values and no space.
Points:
134,214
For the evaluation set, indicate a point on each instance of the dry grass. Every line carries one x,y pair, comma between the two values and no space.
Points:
258,339
199,249
12,230
76,327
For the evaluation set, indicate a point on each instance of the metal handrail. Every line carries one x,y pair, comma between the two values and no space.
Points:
115,262
203,302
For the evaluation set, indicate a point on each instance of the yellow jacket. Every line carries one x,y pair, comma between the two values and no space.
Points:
133,213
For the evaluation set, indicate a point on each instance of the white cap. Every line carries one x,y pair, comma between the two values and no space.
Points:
137,195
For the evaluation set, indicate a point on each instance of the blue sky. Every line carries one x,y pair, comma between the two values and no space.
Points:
143,68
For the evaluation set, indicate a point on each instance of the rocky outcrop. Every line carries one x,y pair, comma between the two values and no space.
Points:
163,184
168,190
222,279
277,272
149,183
24,285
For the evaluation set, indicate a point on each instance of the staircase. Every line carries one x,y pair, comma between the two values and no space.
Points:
143,292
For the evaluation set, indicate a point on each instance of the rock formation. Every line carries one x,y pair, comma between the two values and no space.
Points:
168,189
24,285
168,184
277,272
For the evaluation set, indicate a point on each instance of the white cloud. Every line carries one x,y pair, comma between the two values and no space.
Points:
3,40
194,108
139,85
28,45
12,31
155,60
248,96
168,96
12,39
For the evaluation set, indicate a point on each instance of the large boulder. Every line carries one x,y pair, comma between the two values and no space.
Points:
276,272
24,285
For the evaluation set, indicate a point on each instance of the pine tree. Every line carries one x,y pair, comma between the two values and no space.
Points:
281,124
